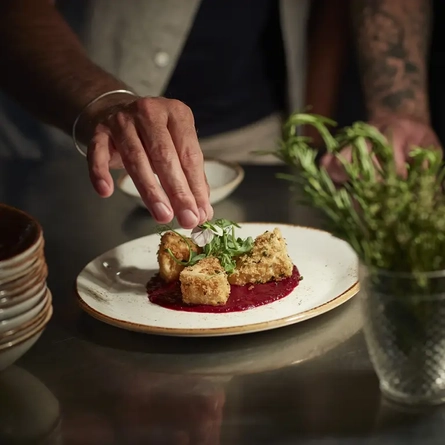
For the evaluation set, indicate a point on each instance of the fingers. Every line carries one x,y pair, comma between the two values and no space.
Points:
164,159
402,134
399,151
183,134
98,164
149,137
134,158
334,167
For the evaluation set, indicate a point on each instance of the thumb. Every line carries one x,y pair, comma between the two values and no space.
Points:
98,166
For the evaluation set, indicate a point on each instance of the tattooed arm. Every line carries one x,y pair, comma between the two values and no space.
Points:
393,41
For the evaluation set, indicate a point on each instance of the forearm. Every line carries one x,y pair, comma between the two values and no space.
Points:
327,42
393,41
326,51
44,66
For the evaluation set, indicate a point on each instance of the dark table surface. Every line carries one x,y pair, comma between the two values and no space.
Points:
85,382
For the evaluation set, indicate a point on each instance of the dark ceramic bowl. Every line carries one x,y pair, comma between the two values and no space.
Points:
20,238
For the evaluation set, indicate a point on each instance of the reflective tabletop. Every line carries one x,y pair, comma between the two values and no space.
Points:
85,382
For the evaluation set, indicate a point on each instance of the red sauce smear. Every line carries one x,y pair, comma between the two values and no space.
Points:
241,298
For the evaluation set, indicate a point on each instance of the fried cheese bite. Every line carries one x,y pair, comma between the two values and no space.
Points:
205,283
267,261
169,269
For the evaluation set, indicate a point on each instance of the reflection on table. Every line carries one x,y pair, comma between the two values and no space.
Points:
309,384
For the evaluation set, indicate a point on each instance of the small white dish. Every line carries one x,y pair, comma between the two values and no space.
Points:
13,323
112,289
223,178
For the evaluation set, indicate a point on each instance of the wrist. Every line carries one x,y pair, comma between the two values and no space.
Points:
381,114
396,102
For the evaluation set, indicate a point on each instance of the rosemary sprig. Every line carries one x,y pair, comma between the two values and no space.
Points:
392,222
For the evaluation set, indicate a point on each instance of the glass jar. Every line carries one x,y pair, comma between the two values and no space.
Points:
404,327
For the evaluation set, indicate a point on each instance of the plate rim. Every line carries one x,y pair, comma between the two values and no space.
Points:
222,331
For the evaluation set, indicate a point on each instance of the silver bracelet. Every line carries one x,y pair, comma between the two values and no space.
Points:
108,93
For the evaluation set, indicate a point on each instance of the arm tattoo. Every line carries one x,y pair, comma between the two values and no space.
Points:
393,42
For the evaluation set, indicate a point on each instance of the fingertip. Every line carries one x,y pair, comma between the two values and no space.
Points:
334,168
187,219
210,212
202,215
162,213
103,188
402,170
326,160
98,165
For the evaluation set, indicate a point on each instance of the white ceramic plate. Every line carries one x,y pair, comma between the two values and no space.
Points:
111,288
223,178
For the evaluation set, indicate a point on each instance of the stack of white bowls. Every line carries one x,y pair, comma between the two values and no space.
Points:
25,300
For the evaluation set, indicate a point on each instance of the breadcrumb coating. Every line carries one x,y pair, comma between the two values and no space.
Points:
205,283
169,269
267,261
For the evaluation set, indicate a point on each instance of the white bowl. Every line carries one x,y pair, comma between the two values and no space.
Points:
21,270
20,289
13,323
11,351
11,336
20,237
12,354
34,296
223,178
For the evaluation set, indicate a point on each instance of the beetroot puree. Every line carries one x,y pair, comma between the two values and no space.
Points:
241,298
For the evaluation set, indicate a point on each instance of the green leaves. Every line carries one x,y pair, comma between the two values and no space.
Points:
217,239
392,222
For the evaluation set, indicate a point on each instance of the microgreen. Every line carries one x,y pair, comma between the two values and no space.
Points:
216,239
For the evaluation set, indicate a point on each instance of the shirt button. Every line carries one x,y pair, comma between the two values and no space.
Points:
162,59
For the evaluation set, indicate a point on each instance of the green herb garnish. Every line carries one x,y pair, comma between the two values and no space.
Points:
217,239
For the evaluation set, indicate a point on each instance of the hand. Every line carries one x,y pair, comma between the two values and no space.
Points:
404,134
149,136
